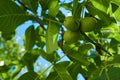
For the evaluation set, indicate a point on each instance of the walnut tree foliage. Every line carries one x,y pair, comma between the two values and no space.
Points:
95,55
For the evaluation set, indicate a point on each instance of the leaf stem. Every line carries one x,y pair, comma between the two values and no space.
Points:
54,21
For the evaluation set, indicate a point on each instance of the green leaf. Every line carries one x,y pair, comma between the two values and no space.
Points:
98,61
117,16
62,72
74,70
61,16
44,4
29,38
32,4
53,8
77,57
91,68
67,6
50,57
114,7
117,2
77,10
52,37
29,76
114,44
29,58
117,37
54,75
105,19
40,37
11,16
65,64
101,5
112,74
116,59
94,74
74,54
74,9
4,68
84,49
8,36
112,28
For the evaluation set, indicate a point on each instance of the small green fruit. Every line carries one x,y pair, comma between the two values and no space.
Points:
71,37
88,24
71,23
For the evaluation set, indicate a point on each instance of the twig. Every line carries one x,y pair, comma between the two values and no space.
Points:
40,22
61,41
26,7
97,45
62,29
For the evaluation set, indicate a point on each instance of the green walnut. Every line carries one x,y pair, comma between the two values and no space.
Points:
71,37
71,23
88,24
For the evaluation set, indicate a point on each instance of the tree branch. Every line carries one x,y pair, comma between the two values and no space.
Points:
36,16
